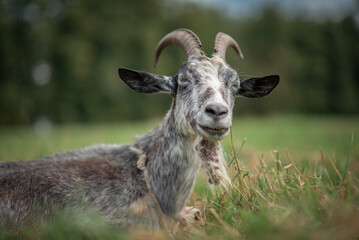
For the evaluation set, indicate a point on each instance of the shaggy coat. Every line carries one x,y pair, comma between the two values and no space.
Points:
108,178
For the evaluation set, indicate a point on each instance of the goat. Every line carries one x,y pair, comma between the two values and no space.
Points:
148,182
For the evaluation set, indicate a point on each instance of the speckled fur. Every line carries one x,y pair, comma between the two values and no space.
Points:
213,162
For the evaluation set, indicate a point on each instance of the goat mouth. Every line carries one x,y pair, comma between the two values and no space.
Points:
214,131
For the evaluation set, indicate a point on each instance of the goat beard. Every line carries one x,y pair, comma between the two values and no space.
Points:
213,163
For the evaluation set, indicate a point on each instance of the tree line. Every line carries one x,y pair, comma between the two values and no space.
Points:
59,58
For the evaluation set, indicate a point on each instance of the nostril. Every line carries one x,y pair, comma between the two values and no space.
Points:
216,110
224,112
210,111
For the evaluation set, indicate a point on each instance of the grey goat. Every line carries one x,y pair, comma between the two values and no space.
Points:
150,181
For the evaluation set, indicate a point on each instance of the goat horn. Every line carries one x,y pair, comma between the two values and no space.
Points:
222,42
182,37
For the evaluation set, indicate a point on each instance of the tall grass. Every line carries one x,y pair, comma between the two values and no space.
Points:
280,199
275,195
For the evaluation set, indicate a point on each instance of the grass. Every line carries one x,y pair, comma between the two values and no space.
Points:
282,198
294,177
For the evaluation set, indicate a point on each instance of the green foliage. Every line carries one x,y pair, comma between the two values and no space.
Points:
83,43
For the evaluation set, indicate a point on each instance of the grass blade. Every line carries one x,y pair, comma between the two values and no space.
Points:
348,159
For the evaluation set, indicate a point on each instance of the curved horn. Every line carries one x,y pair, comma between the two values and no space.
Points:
182,37
222,42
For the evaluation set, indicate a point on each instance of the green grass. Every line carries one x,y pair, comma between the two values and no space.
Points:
307,188
282,198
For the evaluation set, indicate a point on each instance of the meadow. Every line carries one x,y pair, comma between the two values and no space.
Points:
294,177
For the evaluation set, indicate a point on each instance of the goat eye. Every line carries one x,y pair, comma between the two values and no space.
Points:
235,85
184,80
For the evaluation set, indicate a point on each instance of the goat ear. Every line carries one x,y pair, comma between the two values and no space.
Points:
257,87
144,82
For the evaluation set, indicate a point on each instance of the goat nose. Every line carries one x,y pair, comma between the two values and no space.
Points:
216,110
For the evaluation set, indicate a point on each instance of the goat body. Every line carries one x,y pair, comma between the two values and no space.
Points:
108,178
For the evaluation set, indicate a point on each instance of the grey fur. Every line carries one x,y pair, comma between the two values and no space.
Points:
106,177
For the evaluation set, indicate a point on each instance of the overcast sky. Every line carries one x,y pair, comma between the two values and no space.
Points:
313,9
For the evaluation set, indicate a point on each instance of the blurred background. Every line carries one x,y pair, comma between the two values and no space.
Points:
59,90
59,58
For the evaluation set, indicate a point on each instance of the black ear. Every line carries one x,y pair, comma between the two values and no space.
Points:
144,82
257,87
